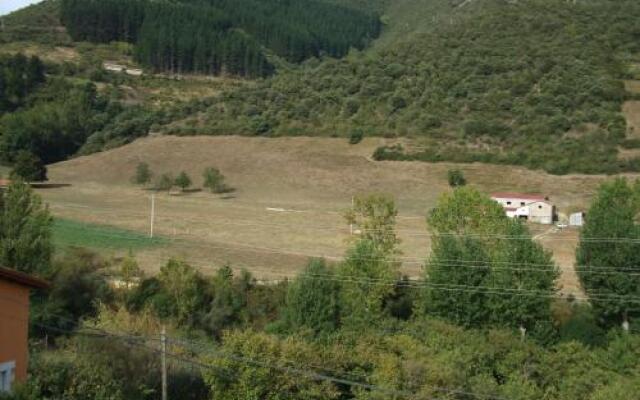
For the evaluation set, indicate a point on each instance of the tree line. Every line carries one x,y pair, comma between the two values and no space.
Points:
220,36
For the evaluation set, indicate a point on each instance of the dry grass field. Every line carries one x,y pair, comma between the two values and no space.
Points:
290,193
631,110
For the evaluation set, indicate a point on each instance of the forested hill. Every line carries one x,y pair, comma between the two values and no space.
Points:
535,82
215,36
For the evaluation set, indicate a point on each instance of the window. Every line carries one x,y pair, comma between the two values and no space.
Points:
539,207
522,203
7,372
508,203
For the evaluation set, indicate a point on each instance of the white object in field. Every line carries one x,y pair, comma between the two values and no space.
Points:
576,219
279,209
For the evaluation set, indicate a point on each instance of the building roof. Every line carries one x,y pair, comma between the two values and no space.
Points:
523,196
23,279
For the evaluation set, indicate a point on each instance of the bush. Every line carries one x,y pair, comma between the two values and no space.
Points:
214,181
183,181
29,168
356,136
165,182
456,178
143,174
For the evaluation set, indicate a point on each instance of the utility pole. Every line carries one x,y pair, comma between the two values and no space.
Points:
352,208
153,214
163,340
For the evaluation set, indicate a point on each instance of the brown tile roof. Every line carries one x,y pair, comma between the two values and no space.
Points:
23,279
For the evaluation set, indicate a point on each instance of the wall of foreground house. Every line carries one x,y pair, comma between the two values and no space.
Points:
14,326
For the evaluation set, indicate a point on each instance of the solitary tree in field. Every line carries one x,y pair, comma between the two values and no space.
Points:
143,174
608,256
214,180
456,178
164,182
183,181
29,168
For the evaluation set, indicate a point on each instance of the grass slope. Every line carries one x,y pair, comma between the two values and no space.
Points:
289,198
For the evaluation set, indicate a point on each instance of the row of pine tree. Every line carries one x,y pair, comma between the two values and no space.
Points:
19,76
220,36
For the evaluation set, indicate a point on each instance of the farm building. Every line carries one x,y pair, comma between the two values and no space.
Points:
532,207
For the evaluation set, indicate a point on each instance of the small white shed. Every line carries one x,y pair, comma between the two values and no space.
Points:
576,219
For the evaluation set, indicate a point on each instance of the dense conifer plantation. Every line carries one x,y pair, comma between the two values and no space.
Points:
19,76
220,36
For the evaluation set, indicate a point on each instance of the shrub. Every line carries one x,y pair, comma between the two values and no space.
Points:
29,168
214,180
143,174
456,178
183,181
165,182
356,136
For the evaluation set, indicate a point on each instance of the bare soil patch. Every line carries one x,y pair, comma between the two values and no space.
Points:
631,111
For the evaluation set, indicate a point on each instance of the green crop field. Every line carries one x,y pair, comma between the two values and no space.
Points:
70,233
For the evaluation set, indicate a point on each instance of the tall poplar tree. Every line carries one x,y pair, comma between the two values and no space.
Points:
485,269
608,256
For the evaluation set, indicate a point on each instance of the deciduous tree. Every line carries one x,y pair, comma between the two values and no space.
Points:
608,255
143,174
29,167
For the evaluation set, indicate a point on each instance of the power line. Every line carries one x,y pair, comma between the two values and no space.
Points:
405,232
423,284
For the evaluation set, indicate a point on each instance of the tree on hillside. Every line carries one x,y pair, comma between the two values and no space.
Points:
25,230
456,178
164,182
312,301
29,167
608,256
214,180
183,181
477,274
142,175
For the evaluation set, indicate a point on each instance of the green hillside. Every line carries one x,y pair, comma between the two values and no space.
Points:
537,83
38,22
